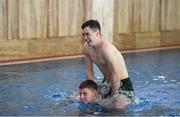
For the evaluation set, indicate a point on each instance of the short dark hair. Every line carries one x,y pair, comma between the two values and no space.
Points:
88,84
93,24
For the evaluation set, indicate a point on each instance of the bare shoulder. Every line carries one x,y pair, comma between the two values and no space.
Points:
106,47
110,52
109,47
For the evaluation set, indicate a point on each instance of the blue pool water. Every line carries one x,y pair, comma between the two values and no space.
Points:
43,88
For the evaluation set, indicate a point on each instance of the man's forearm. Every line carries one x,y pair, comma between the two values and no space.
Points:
115,86
89,75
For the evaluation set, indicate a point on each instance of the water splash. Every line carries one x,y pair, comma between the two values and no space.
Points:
56,94
142,104
159,77
173,114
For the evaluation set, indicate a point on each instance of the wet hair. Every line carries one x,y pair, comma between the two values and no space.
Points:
88,84
93,24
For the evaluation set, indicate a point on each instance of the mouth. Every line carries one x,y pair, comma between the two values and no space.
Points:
89,42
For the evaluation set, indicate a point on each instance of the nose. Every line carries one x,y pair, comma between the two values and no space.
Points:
85,37
81,97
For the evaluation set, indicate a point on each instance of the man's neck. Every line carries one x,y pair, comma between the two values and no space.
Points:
98,44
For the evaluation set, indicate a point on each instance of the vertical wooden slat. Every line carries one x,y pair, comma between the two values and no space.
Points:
149,15
103,12
87,9
32,18
53,16
25,19
136,16
163,14
63,18
13,19
40,18
145,15
124,16
75,17
171,18
178,14
3,19
154,16
170,15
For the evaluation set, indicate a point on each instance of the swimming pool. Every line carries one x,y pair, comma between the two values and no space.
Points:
38,89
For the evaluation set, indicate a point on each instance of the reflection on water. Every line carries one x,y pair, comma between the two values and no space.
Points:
45,88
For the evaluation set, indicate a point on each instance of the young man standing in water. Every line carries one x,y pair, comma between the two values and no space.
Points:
110,61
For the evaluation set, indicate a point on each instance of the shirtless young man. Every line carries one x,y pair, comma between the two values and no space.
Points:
110,62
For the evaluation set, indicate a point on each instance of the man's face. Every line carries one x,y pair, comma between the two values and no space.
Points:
87,95
89,36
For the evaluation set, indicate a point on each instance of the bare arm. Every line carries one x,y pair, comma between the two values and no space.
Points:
89,68
111,57
104,72
114,78
88,63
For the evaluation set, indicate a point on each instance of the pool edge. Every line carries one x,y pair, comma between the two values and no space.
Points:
74,56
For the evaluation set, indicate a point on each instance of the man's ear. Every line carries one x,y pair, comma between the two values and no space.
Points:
98,33
95,93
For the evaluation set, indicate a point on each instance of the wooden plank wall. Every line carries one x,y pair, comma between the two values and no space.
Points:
46,28
40,18
40,28
146,23
102,10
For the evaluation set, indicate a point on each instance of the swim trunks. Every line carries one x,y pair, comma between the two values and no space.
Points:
126,89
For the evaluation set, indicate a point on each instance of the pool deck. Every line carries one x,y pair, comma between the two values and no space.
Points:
34,60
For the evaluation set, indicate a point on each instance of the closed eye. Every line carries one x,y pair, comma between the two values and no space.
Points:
84,93
85,34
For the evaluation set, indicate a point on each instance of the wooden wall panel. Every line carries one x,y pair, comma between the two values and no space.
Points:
124,16
170,11
149,15
13,27
52,18
25,23
178,14
87,9
40,28
32,19
136,16
63,18
102,10
75,17
144,23
3,20
40,18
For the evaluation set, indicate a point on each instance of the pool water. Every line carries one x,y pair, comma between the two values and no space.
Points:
44,88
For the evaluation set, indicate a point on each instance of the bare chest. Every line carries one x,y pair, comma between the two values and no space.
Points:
97,58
